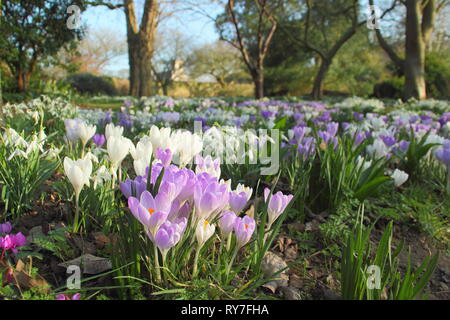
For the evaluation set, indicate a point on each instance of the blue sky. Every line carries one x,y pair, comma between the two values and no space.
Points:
196,26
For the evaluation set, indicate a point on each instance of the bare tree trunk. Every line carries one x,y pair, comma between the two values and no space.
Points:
414,53
258,80
140,46
317,91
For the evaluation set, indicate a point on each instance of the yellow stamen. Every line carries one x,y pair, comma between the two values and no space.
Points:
246,226
151,211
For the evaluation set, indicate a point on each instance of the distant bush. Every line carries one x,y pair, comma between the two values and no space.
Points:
437,76
437,79
86,83
392,88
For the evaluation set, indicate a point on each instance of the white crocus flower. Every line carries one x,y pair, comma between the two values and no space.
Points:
86,132
378,149
161,138
187,146
113,131
118,148
363,163
399,177
204,231
141,154
78,172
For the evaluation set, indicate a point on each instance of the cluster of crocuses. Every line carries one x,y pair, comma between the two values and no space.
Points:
10,241
196,200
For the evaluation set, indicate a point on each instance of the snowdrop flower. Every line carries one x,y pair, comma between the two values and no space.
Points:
399,177
12,137
78,172
101,175
91,157
113,131
17,152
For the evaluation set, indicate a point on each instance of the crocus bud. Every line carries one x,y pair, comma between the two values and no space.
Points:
238,201
399,177
99,139
5,227
204,231
226,223
244,228
277,204
165,156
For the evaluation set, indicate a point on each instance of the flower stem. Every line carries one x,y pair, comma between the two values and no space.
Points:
229,242
197,254
227,273
77,213
157,267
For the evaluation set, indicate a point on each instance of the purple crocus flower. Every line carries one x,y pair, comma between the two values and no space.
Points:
226,223
388,140
99,139
5,227
210,198
359,138
237,201
107,119
266,114
12,242
306,148
327,139
358,116
133,187
165,156
277,204
403,145
151,212
332,128
443,154
76,296
169,234
444,118
244,228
